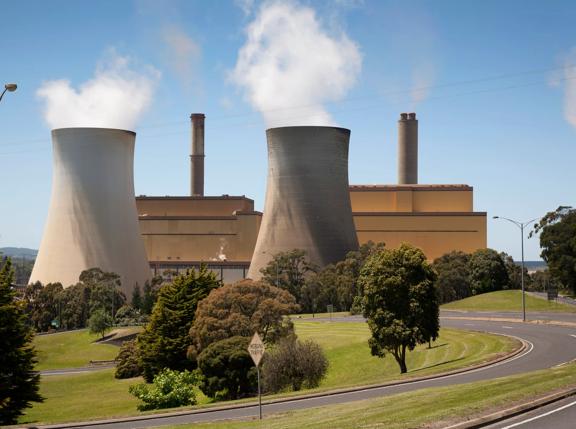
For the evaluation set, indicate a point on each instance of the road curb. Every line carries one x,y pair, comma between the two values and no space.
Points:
513,411
518,351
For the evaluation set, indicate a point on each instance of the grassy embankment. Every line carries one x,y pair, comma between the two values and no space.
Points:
429,408
74,349
72,397
508,301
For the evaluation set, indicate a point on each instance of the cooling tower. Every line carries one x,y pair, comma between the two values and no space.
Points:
92,220
408,149
307,199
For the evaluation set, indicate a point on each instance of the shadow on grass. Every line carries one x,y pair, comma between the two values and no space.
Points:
435,365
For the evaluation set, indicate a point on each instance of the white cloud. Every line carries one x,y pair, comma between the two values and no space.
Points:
290,65
247,6
114,98
183,53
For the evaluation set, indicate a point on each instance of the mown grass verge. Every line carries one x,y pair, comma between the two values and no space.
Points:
507,301
429,408
72,397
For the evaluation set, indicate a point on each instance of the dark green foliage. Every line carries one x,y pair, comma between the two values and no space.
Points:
104,290
151,289
514,271
294,364
241,309
100,322
129,316
169,389
288,270
128,361
22,270
165,339
453,281
136,301
558,242
488,272
542,281
399,301
18,380
227,369
43,305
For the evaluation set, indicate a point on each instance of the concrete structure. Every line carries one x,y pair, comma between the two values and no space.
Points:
197,156
92,220
436,218
183,232
408,149
307,203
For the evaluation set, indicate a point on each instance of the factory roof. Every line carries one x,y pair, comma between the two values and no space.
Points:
415,187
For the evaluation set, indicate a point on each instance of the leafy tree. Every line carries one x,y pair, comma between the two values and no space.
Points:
129,316
43,304
169,389
288,270
100,322
75,308
151,289
558,243
240,309
515,273
104,290
128,361
453,281
227,369
542,281
165,339
399,301
136,298
294,364
18,380
487,272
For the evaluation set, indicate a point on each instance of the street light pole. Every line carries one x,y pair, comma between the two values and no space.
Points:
11,87
520,225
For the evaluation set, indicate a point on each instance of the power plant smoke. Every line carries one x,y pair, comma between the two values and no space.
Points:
115,97
290,65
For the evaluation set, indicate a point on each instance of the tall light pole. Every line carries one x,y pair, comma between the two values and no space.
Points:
520,225
11,87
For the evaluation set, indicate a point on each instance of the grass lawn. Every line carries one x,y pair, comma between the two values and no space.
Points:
72,397
432,407
71,350
507,300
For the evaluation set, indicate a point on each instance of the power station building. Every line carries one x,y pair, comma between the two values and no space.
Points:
222,231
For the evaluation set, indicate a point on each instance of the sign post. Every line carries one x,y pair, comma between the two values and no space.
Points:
256,349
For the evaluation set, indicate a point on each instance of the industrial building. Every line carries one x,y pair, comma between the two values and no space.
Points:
222,231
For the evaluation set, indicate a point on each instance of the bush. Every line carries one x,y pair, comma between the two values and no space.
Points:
227,369
100,322
294,364
357,307
130,316
128,361
169,389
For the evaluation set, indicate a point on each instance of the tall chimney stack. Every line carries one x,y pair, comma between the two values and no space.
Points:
197,156
408,149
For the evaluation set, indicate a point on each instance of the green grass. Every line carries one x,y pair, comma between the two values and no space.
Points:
507,300
437,407
72,397
71,350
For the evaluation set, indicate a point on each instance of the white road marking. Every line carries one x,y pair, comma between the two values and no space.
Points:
508,327
540,416
572,335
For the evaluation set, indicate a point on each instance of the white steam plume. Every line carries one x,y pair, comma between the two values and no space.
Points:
569,80
289,65
183,53
114,98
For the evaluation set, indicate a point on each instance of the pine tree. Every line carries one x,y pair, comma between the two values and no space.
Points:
18,380
165,339
136,298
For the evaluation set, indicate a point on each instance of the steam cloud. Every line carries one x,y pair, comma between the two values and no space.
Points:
115,98
289,65
183,53
569,79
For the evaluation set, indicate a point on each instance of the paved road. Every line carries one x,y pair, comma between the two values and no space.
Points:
68,371
549,346
559,415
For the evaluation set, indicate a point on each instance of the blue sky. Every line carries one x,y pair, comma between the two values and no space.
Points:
492,84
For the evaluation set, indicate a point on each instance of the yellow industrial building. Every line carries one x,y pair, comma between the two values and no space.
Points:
221,231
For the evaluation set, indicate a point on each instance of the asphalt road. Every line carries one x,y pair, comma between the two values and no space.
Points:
548,346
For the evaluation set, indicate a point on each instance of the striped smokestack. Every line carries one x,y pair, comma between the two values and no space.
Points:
408,149
197,156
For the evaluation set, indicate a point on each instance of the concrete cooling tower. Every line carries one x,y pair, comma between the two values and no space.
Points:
307,199
92,220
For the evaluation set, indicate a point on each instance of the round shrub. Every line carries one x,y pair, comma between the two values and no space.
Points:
169,389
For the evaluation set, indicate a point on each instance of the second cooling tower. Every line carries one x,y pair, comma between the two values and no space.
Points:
307,203
92,220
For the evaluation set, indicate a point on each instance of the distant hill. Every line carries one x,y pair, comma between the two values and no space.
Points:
19,252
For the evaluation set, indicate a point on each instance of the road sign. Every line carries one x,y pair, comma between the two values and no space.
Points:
256,349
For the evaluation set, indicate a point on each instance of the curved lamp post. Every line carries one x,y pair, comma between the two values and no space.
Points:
520,225
11,87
